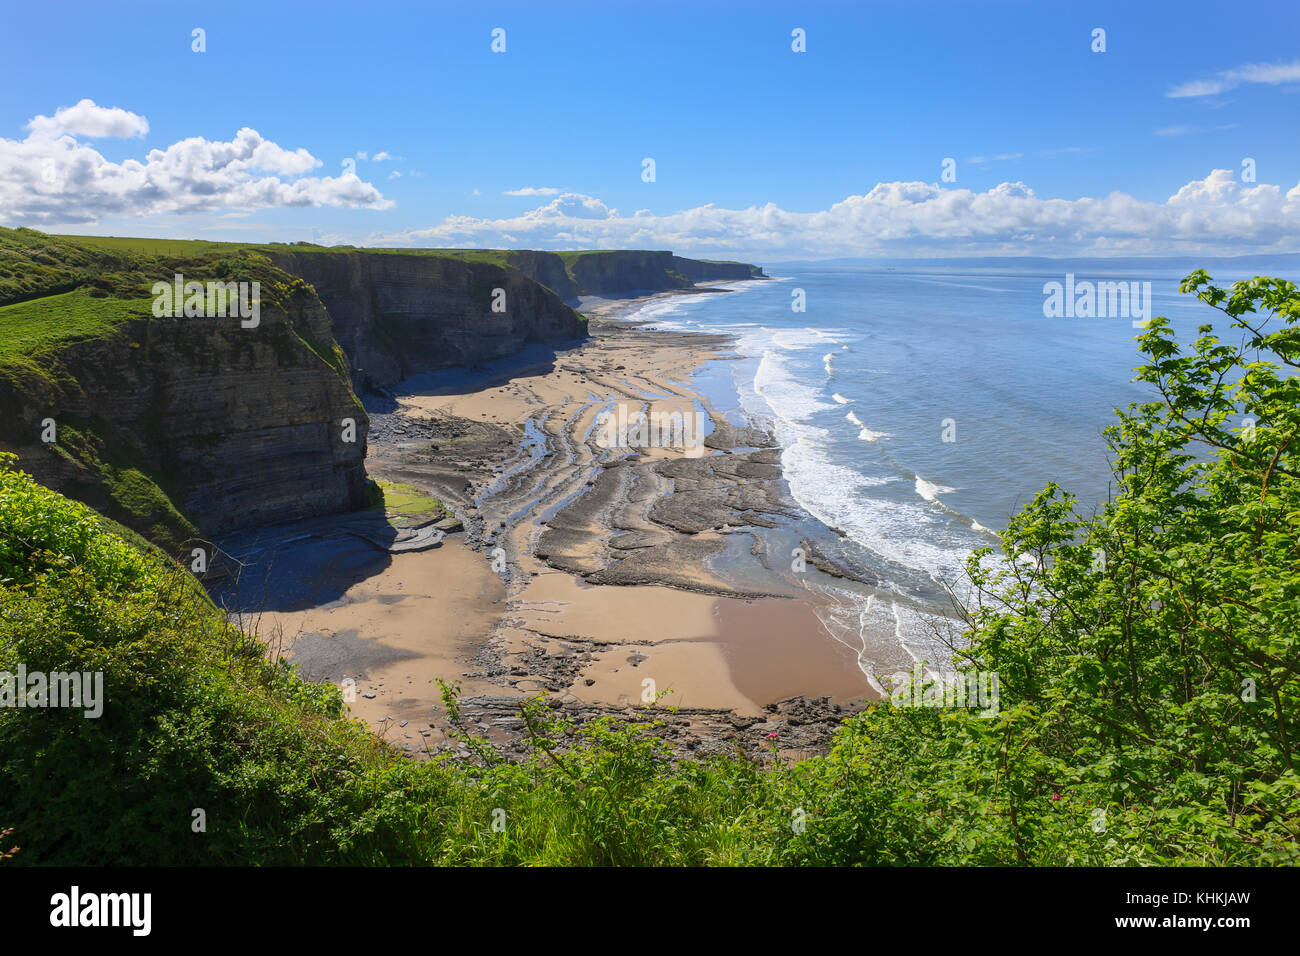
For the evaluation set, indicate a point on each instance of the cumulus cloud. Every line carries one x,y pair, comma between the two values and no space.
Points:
51,177
93,122
382,156
532,191
1268,73
1218,214
572,206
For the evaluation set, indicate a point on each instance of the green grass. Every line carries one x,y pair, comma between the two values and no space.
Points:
204,247
181,248
54,321
200,247
128,493
722,262
33,264
571,254
405,504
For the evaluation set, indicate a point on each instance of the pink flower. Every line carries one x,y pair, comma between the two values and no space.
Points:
774,736
1056,796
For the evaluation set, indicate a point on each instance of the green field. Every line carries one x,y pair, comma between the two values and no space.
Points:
196,247
30,327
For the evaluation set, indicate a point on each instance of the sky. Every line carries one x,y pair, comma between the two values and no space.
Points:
387,123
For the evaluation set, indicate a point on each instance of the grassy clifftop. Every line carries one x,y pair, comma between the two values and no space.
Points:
136,415
129,244
55,290
594,271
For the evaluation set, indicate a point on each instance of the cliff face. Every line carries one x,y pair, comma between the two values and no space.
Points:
623,272
397,315
703,270
620,273
548,269
232,426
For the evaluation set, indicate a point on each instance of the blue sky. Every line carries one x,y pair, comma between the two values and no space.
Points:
733,118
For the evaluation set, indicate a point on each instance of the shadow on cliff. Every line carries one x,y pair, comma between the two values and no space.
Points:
300,565
536,359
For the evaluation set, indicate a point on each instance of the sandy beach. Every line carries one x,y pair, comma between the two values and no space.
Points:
593,566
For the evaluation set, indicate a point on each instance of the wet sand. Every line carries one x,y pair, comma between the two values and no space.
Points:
599,573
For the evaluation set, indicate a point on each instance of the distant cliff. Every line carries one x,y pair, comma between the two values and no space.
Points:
623,272
396,315
706,270
548,269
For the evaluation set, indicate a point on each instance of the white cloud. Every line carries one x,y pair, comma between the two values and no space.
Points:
1216,215
87,119
572,206
52,178
532,191
1269,73
382,156
362,154
994,159
394,175
1186,130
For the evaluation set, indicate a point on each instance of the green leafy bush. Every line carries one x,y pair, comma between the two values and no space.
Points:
1148,655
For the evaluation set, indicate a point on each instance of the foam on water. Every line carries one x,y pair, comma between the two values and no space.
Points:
788,398
930,491
909,536
865,433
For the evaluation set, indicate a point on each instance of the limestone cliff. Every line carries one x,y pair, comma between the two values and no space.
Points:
396,315
194,425
623,272
708,270
548,269
620,273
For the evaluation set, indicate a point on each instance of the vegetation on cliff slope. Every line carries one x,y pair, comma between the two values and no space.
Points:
501,258
1148,660
56,292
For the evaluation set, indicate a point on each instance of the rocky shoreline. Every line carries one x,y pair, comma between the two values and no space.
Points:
543,495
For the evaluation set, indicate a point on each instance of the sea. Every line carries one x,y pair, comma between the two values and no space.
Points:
921,404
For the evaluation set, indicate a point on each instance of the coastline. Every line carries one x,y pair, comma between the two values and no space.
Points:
601,576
